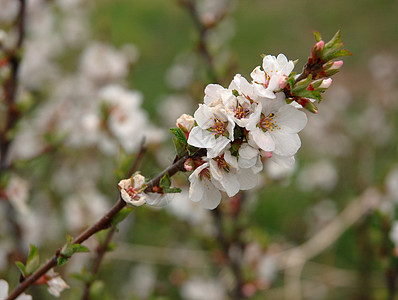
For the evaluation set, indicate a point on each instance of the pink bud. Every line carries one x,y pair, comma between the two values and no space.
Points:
319,46
326,83
189,165
282,81
336,65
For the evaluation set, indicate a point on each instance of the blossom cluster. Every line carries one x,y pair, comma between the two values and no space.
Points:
239,126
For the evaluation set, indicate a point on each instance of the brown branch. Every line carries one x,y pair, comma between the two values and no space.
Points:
10,88
101,224
102,248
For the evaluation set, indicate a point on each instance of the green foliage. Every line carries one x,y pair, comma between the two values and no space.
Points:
68,250
165,184
121,215
32,263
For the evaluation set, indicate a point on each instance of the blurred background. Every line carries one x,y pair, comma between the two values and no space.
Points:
97,76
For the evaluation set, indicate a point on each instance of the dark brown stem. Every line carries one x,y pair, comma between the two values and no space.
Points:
101,224
10,88
102,248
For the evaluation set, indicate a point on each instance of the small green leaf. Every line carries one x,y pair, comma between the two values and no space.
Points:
318,36
21,268
171,190
33,260
179,146
77,248
62,260
121,215
179,134
165,182
235,93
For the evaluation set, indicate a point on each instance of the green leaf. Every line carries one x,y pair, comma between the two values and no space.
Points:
179,134
171,190
33,260
192,150
179,146
62,260
77,248
21,268
165,182
121,215
235,93
318,36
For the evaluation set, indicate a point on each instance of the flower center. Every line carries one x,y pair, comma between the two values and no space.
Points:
268,122
219,127
132,193
222,164
204,173
241,112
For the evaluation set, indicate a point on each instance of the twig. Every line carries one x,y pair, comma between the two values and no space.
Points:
10,88
102,248
101,224
12,117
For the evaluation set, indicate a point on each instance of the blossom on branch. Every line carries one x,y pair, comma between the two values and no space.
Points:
132,190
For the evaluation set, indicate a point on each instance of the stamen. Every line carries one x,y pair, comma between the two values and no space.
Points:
268,122
241,112
219,127
222,164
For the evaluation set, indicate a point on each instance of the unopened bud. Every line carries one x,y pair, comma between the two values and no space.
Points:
189,165
336,65
282,82
326,83
308,105
185,123
319,46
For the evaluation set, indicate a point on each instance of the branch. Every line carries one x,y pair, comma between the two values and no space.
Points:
102,248
103,223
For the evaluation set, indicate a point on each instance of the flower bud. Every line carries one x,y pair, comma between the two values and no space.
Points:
319,46
189,165
185,123
336,65
326,83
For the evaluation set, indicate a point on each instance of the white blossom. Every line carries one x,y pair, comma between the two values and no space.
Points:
266,81
4,292
131,190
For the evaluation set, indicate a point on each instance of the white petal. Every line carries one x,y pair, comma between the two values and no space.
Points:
201,138
204,116
262,139
283,161
211,198
3,289
230,183
230,159
258,76
286,144
290,119
258,167
281,59
212,94
196,188
247,156
247,179
221,143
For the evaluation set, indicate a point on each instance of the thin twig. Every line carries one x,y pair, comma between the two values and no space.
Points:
102,248
101,224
